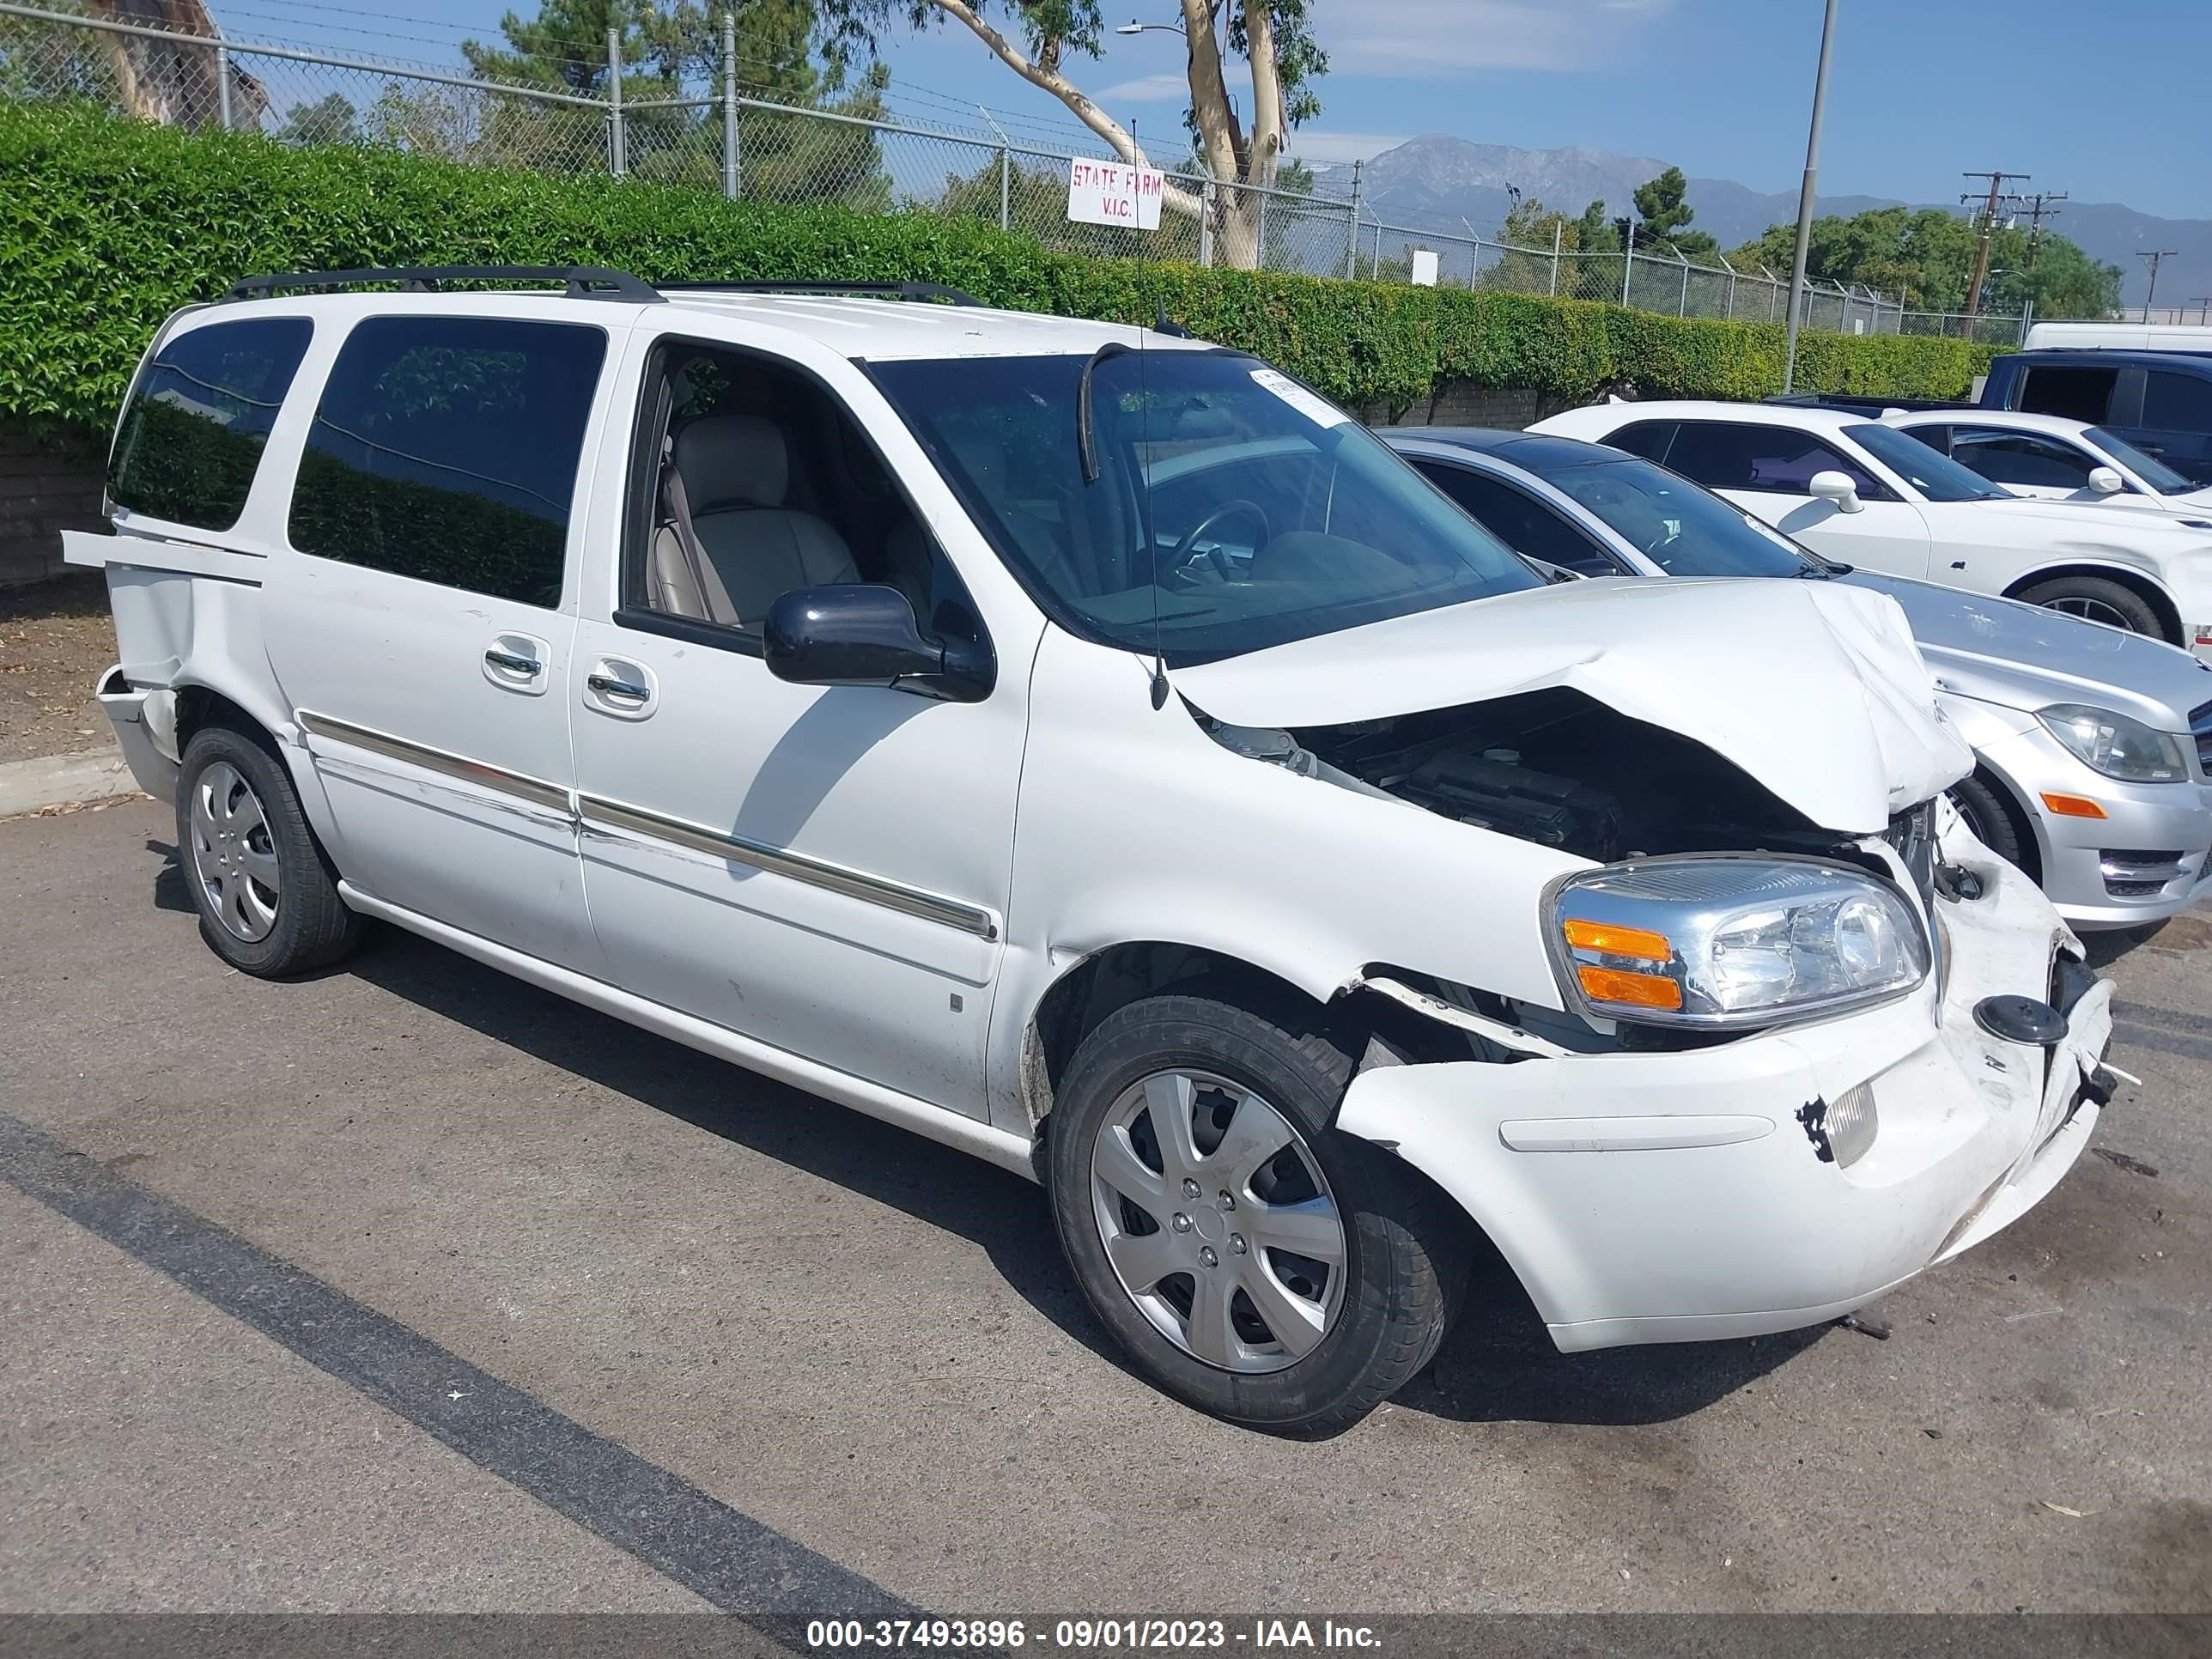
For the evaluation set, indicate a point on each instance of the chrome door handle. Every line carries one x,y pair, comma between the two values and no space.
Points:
513,662
608,686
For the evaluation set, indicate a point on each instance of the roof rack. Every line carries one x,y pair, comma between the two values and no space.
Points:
874,290
585,282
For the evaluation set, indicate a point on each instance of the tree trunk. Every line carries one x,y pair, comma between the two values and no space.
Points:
1236,228
175,81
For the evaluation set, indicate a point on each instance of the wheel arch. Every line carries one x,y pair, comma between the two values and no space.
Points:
1103,981
2137,580
2027,820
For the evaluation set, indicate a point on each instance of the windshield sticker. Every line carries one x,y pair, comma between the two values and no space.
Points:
1316,410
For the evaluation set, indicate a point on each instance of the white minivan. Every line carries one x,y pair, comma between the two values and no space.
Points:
1089,748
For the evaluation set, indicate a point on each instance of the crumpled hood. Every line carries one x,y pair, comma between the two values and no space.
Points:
2023,656
1815,689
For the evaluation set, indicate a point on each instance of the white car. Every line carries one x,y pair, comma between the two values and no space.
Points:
874,693
2050,457
1864,493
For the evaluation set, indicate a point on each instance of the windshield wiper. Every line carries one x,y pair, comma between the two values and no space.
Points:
1085,443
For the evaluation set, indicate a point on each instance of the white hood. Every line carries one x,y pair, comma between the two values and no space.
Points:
1815,689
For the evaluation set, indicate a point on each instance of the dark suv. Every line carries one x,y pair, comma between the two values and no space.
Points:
2161,402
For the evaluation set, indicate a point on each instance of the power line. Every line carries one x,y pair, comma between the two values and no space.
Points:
1988,223
2156,255
2038,209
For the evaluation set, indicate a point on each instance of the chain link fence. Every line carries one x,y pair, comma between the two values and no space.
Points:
716,137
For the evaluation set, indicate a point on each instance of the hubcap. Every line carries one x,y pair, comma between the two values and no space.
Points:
2095,611
234,859
1217,1221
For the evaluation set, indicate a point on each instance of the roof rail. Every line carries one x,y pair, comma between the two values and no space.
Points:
873,290
585,282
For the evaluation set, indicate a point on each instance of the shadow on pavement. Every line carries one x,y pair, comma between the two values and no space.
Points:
1498,1365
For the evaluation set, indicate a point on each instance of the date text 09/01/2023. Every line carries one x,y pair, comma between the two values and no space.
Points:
1086,1634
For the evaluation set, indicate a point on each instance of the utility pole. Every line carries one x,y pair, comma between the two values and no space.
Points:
2155,256
1805,191
1989,218
2038,211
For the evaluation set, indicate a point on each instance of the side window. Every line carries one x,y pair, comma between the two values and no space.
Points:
1937,438
190,441
2078,394
1739,455
1646,438
446,448
2177,403
1521,522
752,479
2021,457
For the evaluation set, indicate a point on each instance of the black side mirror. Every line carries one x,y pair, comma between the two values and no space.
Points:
863,633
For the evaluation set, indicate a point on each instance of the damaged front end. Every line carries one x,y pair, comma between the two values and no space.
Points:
1761,1095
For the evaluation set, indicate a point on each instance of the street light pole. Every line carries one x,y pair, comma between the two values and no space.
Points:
1805,197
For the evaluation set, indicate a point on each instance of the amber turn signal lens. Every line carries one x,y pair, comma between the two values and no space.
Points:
2073,806
1607,939
1634,990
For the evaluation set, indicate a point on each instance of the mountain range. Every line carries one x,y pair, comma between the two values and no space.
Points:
1438,180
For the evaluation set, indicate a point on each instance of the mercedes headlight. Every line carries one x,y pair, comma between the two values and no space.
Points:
2115,746
1733,941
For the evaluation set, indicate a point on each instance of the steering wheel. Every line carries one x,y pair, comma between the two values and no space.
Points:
1227,509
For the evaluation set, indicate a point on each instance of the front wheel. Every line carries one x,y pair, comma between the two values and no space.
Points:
2099,599
1988,817
1254,1261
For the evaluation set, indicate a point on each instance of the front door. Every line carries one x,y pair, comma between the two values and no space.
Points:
824,869
417,631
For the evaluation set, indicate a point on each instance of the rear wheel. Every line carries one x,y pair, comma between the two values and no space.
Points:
2099,599
268,902
1254,1261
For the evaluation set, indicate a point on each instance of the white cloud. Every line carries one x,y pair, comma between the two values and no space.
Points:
1421,37
1148,90
1308,144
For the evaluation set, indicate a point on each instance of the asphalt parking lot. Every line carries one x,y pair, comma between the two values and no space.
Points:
701,1331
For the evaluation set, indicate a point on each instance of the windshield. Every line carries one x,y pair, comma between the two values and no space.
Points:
1239,507
1685,530
2151,470
1936,476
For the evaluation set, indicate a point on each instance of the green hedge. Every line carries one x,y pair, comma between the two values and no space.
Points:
106,226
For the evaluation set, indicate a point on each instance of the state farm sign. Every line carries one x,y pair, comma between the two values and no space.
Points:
1109,193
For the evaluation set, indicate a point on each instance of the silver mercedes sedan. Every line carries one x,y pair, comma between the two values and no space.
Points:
2094,746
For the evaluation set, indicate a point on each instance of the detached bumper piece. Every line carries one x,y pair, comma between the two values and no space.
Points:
146,730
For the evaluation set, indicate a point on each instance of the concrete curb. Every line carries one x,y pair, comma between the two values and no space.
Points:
28,785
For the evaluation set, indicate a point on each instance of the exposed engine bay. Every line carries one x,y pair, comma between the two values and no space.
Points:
1560,769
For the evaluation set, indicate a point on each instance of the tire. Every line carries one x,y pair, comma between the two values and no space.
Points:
1358,1328
1989,813
266,897
2097,598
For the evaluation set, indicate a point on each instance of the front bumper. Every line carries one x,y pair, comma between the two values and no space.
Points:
2094,870
1681,1196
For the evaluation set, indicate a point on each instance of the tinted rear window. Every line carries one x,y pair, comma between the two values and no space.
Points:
2076,394
446,448
190,441
2177,403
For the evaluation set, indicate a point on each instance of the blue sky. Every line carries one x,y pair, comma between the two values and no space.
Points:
2108,103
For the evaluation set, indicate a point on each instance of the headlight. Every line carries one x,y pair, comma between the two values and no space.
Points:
1718,942
2115,746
